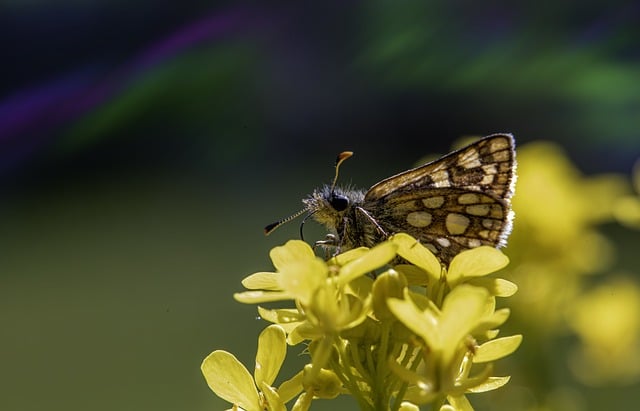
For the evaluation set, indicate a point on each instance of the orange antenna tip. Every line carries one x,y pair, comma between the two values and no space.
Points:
341,157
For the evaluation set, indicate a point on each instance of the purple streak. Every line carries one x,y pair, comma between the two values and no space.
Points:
34,113
197,32
28,108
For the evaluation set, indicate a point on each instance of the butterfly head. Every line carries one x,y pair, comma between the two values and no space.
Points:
328,204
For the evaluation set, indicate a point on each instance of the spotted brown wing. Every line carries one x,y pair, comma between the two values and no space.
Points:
460,201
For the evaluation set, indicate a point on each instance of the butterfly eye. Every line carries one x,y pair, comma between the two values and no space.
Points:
339,202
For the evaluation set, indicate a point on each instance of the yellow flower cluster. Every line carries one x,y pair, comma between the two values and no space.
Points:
555,250
388,325
555,241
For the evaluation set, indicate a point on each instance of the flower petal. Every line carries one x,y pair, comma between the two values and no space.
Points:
281,315
302,278
492,321
376,257
230,380
350,255
407,406
262,281
293,250
274,403
498,348
460,403
414,274
303,403
272,348
255,297
304,331
476,262
288,319
423,323
360,287
411,250
291,387
492,383
496,286
461,311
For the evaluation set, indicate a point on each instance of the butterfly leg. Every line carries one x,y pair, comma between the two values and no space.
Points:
331,240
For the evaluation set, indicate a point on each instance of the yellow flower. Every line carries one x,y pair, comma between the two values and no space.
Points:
555,241
326,303
556,249
231,381
607,319
395,329
350,313
467,267
299,274
449,344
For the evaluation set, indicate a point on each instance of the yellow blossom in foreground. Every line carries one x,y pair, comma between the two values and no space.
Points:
360,323
231,381
470,266
450,345
299,274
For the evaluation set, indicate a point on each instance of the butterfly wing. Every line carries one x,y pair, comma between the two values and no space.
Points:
460,201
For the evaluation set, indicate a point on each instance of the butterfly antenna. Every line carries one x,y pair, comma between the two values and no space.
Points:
341,157
304,220
271,227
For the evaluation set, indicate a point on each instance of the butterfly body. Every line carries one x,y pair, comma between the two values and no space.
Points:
460,201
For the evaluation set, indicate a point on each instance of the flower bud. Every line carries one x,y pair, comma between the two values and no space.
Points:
323,384
390,284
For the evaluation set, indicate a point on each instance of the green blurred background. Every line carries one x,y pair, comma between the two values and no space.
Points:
144,145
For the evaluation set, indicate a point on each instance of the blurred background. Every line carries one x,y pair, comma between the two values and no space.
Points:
144,145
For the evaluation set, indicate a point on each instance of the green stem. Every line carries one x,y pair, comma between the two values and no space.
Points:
382,390
347,377
356,362
382,350
417,359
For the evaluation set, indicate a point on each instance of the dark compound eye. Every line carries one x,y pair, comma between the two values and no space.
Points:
339,202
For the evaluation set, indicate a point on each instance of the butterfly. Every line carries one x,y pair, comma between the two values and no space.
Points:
457,202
